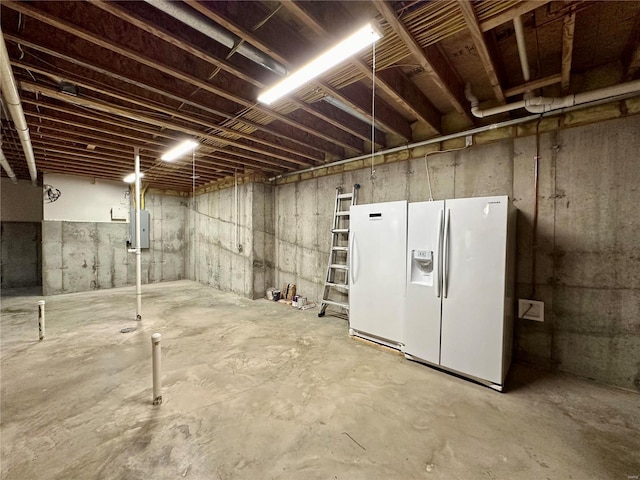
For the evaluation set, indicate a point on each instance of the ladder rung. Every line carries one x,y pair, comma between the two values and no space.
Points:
337,285
344,213
345,195
340,230
335,266
340,249
337,304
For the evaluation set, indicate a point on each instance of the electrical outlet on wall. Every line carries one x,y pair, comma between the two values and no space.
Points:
531,309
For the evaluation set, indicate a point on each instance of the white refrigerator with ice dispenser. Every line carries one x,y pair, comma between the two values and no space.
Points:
377,271
460,286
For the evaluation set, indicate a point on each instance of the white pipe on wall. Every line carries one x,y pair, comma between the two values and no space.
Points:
462,134
10,93
522,48
156,367
547,104
7,168
138,249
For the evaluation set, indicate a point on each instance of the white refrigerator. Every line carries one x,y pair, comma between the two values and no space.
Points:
377,271
460,286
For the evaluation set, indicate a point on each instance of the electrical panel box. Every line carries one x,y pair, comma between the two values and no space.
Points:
144,228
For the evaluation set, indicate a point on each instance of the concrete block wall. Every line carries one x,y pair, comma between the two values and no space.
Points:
588,255
229,253
81,256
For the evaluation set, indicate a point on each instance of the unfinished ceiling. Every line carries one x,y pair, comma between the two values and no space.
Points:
98,79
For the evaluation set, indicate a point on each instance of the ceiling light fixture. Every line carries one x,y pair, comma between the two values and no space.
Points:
332,57
132,177
179,150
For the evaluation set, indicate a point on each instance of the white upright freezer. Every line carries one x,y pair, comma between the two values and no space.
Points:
377,252
460,286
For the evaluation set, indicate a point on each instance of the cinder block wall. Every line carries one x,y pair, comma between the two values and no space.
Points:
80,256
588,253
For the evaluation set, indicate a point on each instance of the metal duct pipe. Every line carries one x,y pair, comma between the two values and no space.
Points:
187,16
10,92
217,33
522,48
547,104
7,167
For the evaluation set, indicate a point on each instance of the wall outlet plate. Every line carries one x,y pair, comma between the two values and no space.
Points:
531,309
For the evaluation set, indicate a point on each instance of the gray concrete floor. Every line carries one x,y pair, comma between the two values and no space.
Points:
258,390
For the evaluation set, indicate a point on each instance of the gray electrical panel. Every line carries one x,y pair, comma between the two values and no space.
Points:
144,228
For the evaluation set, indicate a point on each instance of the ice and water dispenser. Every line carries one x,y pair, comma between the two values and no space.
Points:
422,267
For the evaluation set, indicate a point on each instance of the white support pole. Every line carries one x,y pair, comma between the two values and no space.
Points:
157,386
41,320
138,250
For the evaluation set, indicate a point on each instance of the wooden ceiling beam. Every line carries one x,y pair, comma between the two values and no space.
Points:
226,163
631,54
101,141
521,8
284,134
141,140
175,170
269,48
63,164
335,136
52,143
533,85
394,82
156,178
568,29
471,20
431,59
139,117
230,166
172,113
335,118
386,116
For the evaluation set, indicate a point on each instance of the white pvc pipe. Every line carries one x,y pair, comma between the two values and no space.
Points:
10,93
522,48
41,320
156,360
7,167
547,104
138,249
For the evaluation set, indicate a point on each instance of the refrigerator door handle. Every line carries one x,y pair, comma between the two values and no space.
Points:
439,254
352,255
445,271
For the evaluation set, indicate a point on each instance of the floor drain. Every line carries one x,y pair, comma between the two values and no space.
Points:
128,330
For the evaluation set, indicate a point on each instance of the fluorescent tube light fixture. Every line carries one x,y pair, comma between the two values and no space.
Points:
132,177
329,59
179,150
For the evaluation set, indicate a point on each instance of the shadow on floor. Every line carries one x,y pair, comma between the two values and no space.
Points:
523,375
22,292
